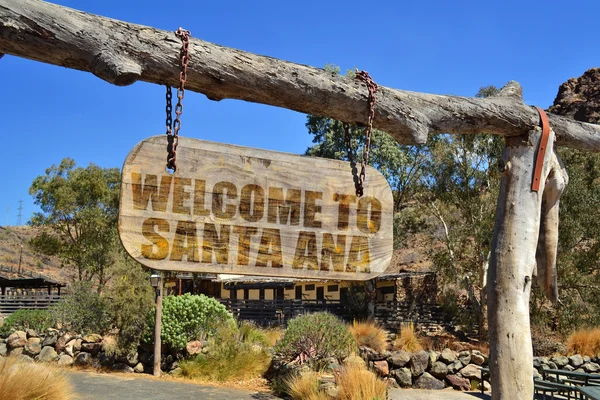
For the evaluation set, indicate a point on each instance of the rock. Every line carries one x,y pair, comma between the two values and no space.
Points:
536,374
3,349
447,356
455,367
381,367
477,359
139,368
25,359
433,357
31,333
65,360
194,347
471,371
62,341
122,367
576,360
175,372
354,360
69,348
403,376
486,386
579,370
458,382
17,339
47,354
16,351
83,359
93,338
419,363
586,359
551,365
426,381
464,357
560,361
568,368
439,370
369,354
92,348
131,359
77,345
105,359
50,339
591,367
145,358
33,346
399,359
537,363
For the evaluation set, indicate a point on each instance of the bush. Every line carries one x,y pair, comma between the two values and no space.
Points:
38,320
304,386
83,311
191,317
407,339
235,353
314,338
357,383
369,334
584,342
24,381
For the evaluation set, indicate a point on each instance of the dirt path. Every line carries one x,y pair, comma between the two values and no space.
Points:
447,394
93,386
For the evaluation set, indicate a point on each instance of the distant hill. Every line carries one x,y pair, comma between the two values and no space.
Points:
11,240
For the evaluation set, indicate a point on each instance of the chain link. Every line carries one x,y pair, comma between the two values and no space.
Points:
360,179
173,127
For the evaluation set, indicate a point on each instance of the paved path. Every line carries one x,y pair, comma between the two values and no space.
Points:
93,386
446,394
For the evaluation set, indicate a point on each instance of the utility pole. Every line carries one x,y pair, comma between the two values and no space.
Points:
20,259
20,215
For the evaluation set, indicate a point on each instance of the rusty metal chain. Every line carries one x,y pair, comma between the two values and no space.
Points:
360,179
173,127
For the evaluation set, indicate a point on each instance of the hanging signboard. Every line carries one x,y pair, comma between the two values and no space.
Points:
237,210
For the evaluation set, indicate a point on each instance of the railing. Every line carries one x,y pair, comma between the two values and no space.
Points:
11,303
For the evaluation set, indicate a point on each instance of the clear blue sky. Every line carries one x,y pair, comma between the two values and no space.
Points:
435,46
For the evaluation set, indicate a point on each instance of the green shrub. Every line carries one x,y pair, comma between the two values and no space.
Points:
83,311
235,353
38,320
314,338
190,317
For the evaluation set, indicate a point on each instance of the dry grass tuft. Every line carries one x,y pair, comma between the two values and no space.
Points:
584,342
407,339
357,383
304,386
272,335
369,334
28,381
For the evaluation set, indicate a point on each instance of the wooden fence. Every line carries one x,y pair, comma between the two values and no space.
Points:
425,317
11,303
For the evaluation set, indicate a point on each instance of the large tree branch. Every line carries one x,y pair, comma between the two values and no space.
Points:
122,53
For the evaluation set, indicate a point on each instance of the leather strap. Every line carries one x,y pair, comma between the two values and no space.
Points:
541,153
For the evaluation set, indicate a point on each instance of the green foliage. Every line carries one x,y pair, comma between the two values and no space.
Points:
83,311
189,317
235,353
129,299
79,209
38,320
315,337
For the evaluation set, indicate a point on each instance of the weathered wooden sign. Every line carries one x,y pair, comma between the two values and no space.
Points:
236,210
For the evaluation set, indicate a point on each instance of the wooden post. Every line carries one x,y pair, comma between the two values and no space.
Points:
158,328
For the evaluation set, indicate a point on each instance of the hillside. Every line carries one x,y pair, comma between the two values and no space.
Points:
11,240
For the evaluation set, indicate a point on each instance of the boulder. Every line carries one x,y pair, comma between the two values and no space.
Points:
426,381
591,367
568,368
464,357
93,338
50,339
31,333
560,361
17,351
365,352
536,374
194,347
399,359
3,349
586,359
381,368
47,354
403,376
458,382
447,356
105,359
391,383
25,359
433,356
551,365
17,339
62,341
471,371
439,370
65,360
455,367
92,348
139,368
175,372
83,359
486,386
68,350
576,360
77,345
131,359
33,346
122,367
419,363
477,359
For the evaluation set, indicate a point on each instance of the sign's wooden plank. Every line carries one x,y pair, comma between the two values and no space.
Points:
237,210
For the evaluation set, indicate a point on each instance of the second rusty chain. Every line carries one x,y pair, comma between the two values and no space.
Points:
173,127
373,88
